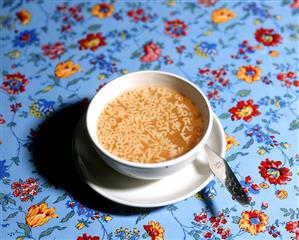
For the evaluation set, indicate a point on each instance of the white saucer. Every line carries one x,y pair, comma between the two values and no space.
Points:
143,193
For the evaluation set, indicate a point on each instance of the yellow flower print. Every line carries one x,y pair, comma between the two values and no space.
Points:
102,76
249,74
14,54
208,32
222,15
264,185
274,53
253,222
102,10
80,225
124,71
171,3
230,142
24,16
257,22
282,194
107,218
199,52
66,69
39,215
34,111
285,145
154,230
259,47
261,151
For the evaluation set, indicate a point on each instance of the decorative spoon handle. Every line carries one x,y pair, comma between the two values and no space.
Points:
225,174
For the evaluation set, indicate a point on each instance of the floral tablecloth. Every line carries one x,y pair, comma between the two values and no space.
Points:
55,56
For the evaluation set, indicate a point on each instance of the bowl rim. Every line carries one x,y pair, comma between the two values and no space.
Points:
195,150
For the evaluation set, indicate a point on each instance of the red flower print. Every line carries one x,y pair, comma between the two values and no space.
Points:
204,71
249,186
2,120
244,50
296,83
24,17
70,13
288,79
244,110
220,77
295,4
213,94
100,87
92,41
291,75
292,226
14,83
273,231
175,28
202,218
33,132
14,107
53,51
267,37
225,233
180,49
208,235
271,171
61,8
25,190
138,15
281,76
66,28
168,60
207,3
87,237
152,52
216,224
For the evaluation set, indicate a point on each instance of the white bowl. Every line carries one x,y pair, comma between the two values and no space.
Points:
140,79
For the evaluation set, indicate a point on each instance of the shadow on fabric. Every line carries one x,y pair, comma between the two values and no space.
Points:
52,157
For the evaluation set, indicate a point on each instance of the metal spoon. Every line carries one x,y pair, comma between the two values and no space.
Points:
225,174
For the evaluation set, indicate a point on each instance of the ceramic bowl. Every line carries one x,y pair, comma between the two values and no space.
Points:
141,79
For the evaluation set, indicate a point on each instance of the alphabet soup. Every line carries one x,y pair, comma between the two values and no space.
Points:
149,125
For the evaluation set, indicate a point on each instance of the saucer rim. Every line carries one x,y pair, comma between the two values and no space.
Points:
111,197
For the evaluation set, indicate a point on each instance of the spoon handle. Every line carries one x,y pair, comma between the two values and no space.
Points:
225,174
